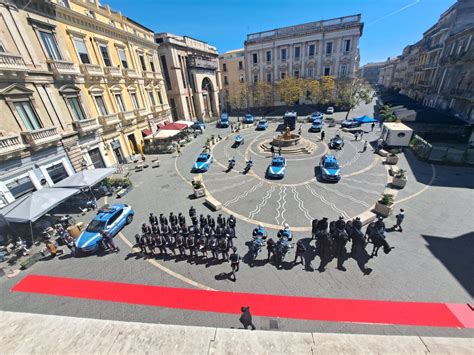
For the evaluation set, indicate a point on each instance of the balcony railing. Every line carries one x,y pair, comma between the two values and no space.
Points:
127,116
130,73
86,126
148,75
62,67
91,70
114,72
11,144
40,137
12,62
109,120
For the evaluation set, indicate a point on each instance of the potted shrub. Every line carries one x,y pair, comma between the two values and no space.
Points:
392,158
384,206
400,179
198,188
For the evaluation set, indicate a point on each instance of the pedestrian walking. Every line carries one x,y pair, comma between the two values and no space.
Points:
246,318
322,135
300,250
399,217
272,149
365,146
234,260
372,126
355,136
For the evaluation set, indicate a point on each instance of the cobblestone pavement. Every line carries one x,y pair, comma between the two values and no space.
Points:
432,259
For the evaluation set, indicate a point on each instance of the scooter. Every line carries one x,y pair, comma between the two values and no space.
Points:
248,166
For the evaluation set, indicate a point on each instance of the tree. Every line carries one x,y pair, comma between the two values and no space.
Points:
290,90
387,114
239,99
327,87
313,90
262,95
352,93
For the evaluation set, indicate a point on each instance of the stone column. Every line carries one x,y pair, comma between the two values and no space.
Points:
199,104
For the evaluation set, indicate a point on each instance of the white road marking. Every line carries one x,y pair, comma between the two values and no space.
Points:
340,194
359,188
228,187
281,205
326,202
263,203
243,195
300,204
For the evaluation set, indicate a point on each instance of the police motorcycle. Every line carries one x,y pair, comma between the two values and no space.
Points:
231,164
259,236
248,166
283,244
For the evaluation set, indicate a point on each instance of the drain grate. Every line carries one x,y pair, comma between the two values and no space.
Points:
274,324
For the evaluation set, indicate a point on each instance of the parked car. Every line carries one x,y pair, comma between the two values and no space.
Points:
199,125
203,163
330,110
109,218
336,142
352,123
223,122
315,116
262,124
316,126
277,168
330,170
248,119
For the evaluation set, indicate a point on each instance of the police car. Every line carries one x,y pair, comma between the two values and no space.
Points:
316,126
223,121
262,125
203,162
330,170
110,218
248,119
277,168
315,116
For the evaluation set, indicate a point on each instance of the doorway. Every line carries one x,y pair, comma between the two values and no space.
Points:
96,158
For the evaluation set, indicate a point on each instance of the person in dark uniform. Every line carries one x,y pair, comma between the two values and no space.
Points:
220,220
180,244
246,317
155,230
214,246
322,135
152,219
202,221
231,222
143,243
192,212
171,243
163,219
137,241
340,242
202,245
173,218
146,229
357,236
207,231
191,245
160,244
219,232
300,250
212,222
229,233
380,225
234,260
270,248
151,244
224,247
181,219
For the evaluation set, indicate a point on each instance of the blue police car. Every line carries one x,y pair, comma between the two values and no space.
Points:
248,119
223,121
203,163
109,218
262,125
330,170
277,168
316,126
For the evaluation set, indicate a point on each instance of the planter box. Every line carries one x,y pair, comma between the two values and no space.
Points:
382,209
199,192
399,182
391,160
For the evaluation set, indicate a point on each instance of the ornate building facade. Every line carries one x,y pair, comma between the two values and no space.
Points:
80,86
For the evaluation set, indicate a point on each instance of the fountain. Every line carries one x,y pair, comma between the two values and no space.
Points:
286,139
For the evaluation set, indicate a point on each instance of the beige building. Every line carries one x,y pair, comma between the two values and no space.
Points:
232,70
387,72
370,72
79,87
311,50
191,75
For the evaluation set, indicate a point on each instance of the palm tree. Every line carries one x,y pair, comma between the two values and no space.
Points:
387,114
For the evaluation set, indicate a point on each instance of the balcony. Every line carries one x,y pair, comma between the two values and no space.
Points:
109,120
12,62
114,73
42,137
62,68
148,75
130,74
11,144
127,116
86,126
91,70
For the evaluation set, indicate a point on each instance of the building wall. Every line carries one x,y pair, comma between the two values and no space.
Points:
370,72
232,69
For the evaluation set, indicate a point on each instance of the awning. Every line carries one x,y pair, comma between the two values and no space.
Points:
174,127
187,123
85,178
37,204
163,134
365,119
146,132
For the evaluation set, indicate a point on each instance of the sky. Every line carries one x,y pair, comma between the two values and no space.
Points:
389,25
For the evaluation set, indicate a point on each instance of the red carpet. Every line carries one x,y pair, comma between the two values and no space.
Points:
320,309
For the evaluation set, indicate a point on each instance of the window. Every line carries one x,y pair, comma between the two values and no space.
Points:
226,81
133,96
28,115
328,48
269,77
344,70
297,52
241,65
254,58
123,58
119,101
255,79
296,74
310,72
82,50
152,63
21,186
160,98
50,45
282,75
105,55
224,67
142,61
327,71
76,108
347,45
99,100
311,50
152,98
268,55
57,172
64,3
283,54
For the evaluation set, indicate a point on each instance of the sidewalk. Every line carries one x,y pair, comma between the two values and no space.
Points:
28,333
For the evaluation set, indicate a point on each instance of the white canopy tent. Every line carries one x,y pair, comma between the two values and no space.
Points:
85,178
165,134
187,123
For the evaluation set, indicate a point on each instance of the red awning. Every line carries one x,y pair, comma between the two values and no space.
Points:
174,126
146,132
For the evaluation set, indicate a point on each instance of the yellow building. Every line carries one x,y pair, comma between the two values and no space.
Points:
80,86
232,65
